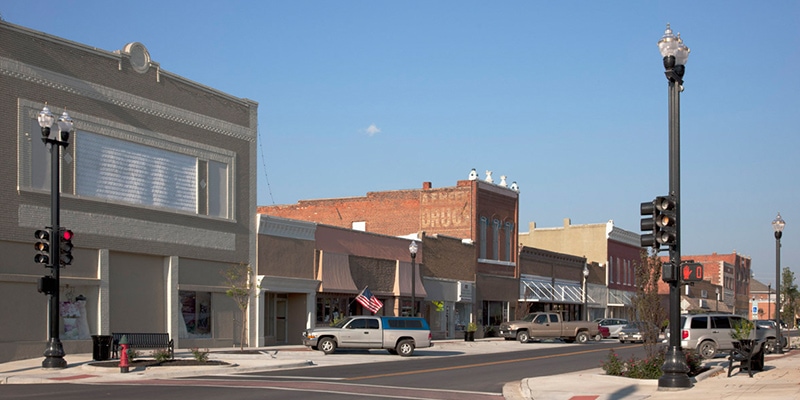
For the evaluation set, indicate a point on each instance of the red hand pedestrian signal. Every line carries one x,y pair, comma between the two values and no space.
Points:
692,272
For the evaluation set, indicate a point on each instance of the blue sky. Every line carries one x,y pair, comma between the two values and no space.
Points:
568,99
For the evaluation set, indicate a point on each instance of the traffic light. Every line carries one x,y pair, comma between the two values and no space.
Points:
65,246
665,219
47,285
692,272
659,226
42,246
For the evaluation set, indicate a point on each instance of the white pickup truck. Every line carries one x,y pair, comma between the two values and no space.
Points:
398,335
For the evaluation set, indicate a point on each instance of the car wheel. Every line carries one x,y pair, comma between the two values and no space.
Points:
582,337
598,337
707,349
769,346
327,345
523,337
405,348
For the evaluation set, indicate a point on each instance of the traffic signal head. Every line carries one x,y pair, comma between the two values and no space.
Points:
665,220
65,246
692,272
42,246
659,224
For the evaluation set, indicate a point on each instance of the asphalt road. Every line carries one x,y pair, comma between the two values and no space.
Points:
427,375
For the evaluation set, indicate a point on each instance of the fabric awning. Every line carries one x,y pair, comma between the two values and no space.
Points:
334,272
402,281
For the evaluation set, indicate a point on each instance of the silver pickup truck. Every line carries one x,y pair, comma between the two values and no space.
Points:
398,335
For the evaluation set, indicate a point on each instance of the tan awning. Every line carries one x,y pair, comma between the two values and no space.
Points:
334,272
402,281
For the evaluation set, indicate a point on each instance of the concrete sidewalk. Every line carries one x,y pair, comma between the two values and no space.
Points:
779,380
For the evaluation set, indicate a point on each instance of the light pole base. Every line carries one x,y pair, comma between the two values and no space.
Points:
54,355
675,371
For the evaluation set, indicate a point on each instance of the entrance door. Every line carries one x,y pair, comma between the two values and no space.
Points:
281,309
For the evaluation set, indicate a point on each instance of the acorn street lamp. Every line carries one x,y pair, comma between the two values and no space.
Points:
585,275
777,225
412,248
675,54
54,353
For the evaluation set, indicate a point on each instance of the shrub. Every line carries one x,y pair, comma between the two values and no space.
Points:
649,368
613,366
161,355
200,355
133,354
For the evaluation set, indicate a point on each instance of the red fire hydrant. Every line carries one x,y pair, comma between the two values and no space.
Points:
123,358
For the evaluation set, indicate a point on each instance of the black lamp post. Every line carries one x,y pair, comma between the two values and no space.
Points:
585,276
675,54
412,248
777,225
54,353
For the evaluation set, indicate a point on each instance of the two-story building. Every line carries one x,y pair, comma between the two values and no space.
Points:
157,183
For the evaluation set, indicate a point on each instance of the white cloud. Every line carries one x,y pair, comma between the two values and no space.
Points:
373,130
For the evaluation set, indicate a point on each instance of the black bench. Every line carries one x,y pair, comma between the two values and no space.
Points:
749,355
143,341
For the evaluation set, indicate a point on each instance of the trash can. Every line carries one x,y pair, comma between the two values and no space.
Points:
101,347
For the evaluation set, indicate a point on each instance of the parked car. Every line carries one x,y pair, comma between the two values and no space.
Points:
711,333
635,332
614,325
604,332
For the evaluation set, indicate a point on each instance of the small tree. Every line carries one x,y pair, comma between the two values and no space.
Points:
789,297
647,306
237,278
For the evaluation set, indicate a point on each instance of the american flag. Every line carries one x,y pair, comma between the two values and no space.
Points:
369,301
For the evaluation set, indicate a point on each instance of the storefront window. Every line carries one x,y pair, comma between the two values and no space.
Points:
196,312
330,309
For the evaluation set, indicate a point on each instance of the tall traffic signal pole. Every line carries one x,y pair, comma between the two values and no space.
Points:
54,353
675,54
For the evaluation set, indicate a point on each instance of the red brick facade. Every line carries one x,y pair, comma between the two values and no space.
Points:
454,211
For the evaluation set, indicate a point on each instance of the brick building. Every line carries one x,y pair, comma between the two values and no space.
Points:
615,250
157,184
728,272
482,214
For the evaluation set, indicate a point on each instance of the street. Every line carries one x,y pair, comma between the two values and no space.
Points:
431,374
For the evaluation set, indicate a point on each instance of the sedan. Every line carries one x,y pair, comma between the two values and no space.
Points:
613,324
634,332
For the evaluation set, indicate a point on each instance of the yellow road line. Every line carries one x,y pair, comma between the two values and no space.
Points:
479,364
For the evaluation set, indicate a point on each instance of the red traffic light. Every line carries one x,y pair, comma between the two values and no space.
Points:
66,234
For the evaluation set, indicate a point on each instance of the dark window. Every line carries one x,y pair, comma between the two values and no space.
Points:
553,318
358,324
405,323
721,322
372,324
699,323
